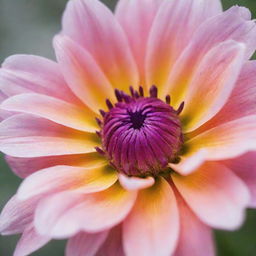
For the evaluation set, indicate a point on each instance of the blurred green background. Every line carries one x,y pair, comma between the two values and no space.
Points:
27,26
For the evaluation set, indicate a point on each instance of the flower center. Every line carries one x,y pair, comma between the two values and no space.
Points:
137,119
141,135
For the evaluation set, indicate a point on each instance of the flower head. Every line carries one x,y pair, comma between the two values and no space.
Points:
141,137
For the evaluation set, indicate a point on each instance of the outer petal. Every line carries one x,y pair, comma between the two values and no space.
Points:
53,109
82,73
212,84
60,178
215,194
136,18
228,140
195,237
85,244
94,27
28,136
16,215
28,73
152,227
245,167
29,242
65,214
135,183
242,101
24,167
3,114
237,27
113,243
172,30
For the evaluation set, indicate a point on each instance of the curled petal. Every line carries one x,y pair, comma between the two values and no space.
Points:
190,162
135,183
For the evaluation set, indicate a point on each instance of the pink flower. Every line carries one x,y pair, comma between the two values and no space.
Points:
173,93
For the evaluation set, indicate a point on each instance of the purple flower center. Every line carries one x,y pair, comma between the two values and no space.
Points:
137,119
141,135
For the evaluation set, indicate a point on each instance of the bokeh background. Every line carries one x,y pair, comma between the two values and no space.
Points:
27,26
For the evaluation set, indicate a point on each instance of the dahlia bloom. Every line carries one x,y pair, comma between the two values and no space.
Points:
141,138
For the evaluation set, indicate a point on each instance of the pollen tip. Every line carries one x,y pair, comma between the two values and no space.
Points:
153,91
132,91
168,99
181,107
141,91
99,122
102,112
109,104
118,95
126,98
136,95
100,151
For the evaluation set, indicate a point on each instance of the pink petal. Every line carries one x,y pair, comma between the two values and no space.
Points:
213,83
242,101
53,109
113,243
228,140
245,167
85,244
28,73
60,178
24,167
16,215
237,27
215,194
195,237
83,74
190,162
136,18
172,30
94,27
65,214
3,113
27,136
152,227
135,183
30,242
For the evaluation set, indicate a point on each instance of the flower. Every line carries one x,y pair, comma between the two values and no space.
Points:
141,138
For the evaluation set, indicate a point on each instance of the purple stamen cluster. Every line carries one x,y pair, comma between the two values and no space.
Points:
140,135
